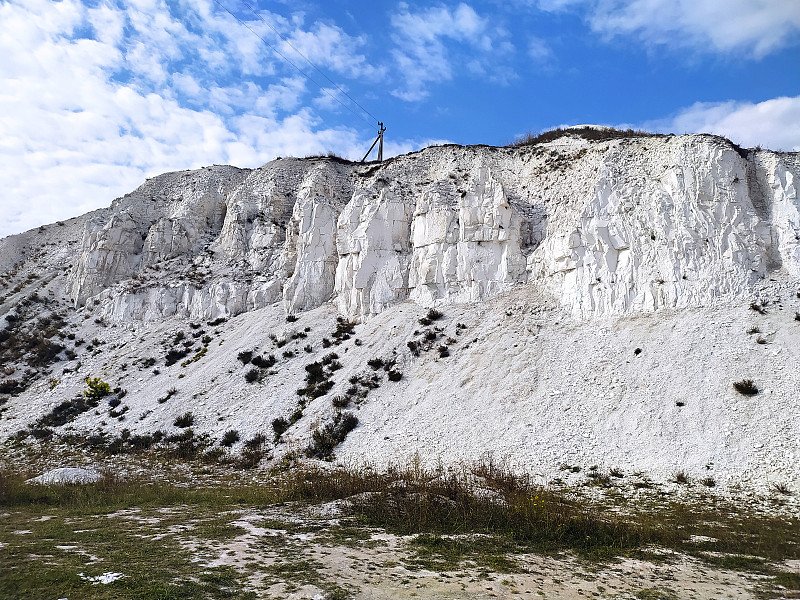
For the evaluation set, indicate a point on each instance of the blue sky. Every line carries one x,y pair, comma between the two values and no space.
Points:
97,95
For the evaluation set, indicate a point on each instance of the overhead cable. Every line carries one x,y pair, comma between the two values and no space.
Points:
298,69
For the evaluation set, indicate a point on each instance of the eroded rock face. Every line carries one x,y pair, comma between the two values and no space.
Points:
374,246
607,227
661,232
467,245
169,217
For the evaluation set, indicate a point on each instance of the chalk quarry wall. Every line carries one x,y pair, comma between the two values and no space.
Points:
606,227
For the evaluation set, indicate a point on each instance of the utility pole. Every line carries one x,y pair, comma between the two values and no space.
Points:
379,141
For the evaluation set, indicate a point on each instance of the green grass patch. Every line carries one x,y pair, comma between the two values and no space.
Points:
160,535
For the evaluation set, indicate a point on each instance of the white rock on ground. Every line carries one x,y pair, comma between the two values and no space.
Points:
66,476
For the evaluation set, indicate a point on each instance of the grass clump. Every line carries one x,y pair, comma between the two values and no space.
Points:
323,441
185,420
587,133
170,393
229,438
746,387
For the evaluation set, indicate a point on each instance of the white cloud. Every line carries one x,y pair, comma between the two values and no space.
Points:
754,27
773,124
95,99
329,46
422,57
539,51
757,27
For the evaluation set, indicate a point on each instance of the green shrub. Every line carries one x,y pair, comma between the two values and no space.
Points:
185,420
279,427
746,387
325,440
229,438
96,388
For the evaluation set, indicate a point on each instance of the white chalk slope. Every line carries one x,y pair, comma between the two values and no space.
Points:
552,264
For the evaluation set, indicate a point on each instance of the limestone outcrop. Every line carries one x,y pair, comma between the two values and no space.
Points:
606,227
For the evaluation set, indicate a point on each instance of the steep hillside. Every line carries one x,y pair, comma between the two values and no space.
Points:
593,303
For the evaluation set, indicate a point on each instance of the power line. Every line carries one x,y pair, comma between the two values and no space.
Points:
320,71
298,69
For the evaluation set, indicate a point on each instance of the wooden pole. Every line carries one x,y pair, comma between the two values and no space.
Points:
380,144
379,141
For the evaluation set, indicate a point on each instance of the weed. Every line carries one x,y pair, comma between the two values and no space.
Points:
708,482
324,441
758,308
185,420
245,356
344,329
753,330
279,427
170,393
66,412
291,318
263,362
375,363
746,387
174,355
229,438
680,477
252,375
340,401
394,375
200,354
95,388
781,488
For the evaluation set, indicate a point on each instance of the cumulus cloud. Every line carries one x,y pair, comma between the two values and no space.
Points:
98,96
422,54
757,27
773,124
753,27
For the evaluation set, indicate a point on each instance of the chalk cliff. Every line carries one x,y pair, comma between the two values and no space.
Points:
599,299
608,227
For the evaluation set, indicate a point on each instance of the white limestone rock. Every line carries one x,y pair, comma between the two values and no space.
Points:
466,245
607,227
373,247
66,476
